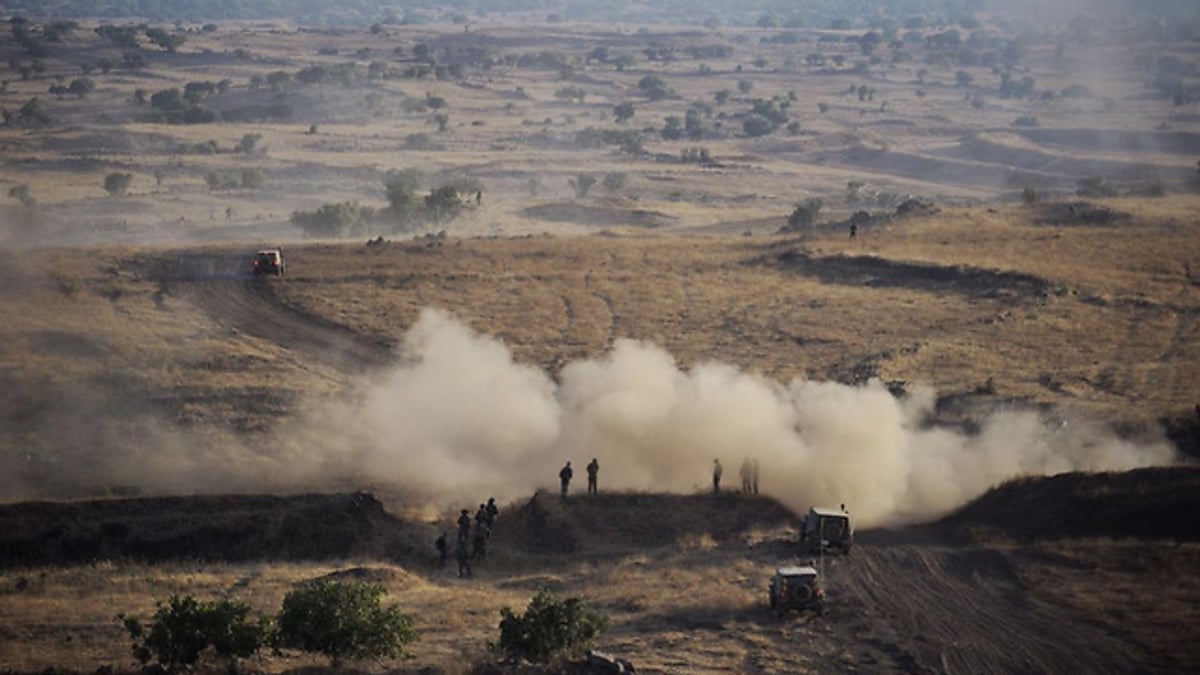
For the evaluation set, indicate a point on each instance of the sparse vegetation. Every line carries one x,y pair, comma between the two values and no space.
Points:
339,220
1095,186
582,184
21,194
605,144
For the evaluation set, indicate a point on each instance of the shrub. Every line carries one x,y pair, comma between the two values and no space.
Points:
1095,186
343,620
443,203
82,86
421,141
117,183
185,627
581,184
1030,195
614,182
248,143
253,179
21,194
805,215
222,180
757,125
550,628
333,220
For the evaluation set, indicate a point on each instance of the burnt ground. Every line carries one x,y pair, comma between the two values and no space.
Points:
880,272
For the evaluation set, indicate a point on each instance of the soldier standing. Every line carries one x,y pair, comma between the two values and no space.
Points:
565,477
464,526
441,546
717,471
479,544
754,474
492,512
746,473
463,556
481,517
593,470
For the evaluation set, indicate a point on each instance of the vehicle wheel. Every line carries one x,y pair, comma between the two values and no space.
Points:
802,593
772,601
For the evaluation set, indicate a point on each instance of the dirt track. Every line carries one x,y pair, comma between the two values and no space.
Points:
220,285
928,607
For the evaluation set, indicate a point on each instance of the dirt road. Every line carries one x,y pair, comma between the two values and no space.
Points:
917,605
222,285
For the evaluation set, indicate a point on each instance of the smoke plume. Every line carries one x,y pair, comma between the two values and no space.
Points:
460,418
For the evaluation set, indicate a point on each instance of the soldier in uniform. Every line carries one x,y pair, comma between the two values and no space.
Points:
564,477
593,470
479,543
441,546
492,512
464,526
717,471
464,558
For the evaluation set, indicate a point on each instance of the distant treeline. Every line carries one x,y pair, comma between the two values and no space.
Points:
766,13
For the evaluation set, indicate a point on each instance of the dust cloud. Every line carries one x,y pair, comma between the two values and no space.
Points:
460,418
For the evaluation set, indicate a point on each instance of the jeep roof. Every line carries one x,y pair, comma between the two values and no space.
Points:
829,513
796,571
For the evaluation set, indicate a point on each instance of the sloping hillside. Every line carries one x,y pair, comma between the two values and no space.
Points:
1153,503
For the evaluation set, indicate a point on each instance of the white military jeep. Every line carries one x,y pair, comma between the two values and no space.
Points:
827,530
797,587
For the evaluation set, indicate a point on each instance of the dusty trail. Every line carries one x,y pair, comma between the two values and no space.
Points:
935,607
220,285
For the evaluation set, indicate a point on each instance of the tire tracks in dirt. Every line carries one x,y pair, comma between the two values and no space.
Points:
935,607
250,305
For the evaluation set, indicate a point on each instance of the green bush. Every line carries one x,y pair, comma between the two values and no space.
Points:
222,180
334,220
185,627
343,620
549,629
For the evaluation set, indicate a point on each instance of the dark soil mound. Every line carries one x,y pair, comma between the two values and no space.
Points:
882,272
1156,503
580,214
224,528
626,520
1078,213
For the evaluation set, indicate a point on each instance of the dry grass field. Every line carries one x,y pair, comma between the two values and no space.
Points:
1005,326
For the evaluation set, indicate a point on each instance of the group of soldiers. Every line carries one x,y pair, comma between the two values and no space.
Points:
471,543
567,473
748,473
